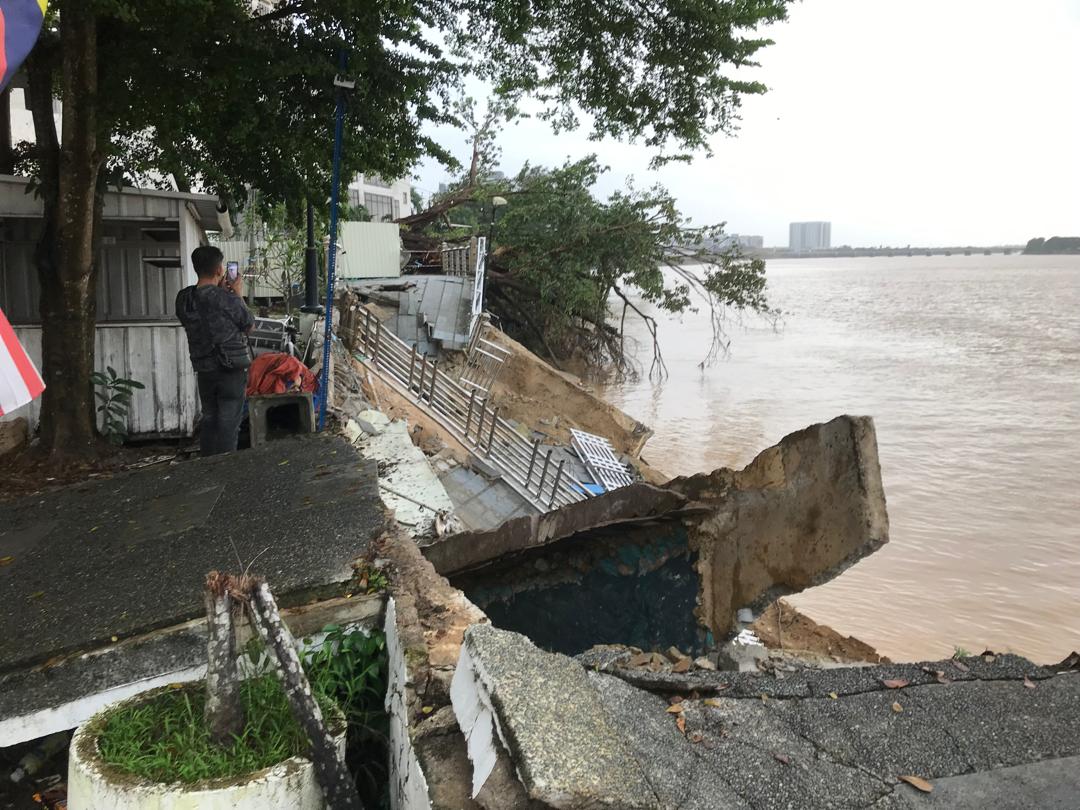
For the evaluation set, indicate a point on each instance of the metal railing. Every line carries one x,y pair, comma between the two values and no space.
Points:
466,414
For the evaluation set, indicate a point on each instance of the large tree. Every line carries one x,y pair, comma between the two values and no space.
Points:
216,93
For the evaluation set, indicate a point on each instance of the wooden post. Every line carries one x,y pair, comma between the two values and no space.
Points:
224,713
468,416
491,435
337,785
434,376
555,483
375,352
532,462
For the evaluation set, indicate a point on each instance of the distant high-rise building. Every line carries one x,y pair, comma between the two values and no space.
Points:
809,235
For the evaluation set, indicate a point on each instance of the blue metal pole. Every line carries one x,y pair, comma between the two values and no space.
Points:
331,262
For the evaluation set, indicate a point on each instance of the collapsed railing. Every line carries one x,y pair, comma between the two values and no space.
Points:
465,414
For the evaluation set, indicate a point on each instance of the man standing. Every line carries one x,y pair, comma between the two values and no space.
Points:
217,322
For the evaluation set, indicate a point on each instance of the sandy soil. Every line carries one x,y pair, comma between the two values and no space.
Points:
782,627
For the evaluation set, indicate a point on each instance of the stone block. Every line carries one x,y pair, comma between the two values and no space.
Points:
14,433
278,416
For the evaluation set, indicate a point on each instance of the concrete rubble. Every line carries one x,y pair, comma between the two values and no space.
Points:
689,554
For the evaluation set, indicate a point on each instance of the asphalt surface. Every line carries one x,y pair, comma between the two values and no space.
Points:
996,731
115,558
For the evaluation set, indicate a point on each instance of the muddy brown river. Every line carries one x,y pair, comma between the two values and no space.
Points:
970,366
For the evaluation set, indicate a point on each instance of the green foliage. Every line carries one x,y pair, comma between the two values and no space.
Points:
1055,244
115,396
351,668
167,740
565,255
960,652
209,89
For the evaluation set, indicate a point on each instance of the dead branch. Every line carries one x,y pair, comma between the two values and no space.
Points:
334,778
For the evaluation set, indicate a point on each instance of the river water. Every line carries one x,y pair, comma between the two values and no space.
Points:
970,366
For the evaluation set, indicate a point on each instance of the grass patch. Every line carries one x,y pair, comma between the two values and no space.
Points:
166,739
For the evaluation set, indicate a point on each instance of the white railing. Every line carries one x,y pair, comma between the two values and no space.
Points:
466,414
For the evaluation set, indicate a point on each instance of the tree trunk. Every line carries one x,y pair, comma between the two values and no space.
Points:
65,255
337,785
224,713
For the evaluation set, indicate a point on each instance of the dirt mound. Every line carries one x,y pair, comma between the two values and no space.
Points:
782,627
551,402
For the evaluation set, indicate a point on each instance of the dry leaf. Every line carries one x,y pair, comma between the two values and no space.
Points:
940,675
675,709
680,723
895,683
960,665
896,707
713,702
676,699
681,665
639,660
918,783
834,696
696,737
6,561
1028,683
784,758
764,698
176,686
989,658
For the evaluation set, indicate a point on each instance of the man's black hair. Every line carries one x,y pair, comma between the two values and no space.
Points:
206,259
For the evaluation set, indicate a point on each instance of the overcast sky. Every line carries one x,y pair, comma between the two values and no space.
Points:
924,122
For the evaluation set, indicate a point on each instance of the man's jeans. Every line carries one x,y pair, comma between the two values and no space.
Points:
222,397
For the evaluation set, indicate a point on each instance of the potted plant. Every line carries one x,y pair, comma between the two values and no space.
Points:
226,743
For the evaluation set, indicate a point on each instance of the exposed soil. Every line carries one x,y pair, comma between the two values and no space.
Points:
799,635
28,471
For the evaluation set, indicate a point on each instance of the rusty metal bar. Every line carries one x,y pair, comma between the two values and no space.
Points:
491,434
468,416
375,351
412,367
532,462
555,484
543,471
420,386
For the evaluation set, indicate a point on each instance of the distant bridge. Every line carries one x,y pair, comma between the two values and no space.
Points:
840,252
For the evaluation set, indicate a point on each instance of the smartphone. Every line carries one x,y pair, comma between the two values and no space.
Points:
232,271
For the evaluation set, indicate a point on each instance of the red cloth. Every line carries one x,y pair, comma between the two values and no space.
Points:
277,373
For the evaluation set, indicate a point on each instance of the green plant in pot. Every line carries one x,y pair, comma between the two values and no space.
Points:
274,740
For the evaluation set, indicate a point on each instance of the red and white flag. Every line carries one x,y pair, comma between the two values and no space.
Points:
19,380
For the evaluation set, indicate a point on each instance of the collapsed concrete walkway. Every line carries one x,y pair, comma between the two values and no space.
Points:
578,737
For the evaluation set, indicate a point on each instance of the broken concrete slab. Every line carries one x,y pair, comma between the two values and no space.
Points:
407,483
688,556
541,709
798,515
763,742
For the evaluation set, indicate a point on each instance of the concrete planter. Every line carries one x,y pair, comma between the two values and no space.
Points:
95,785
